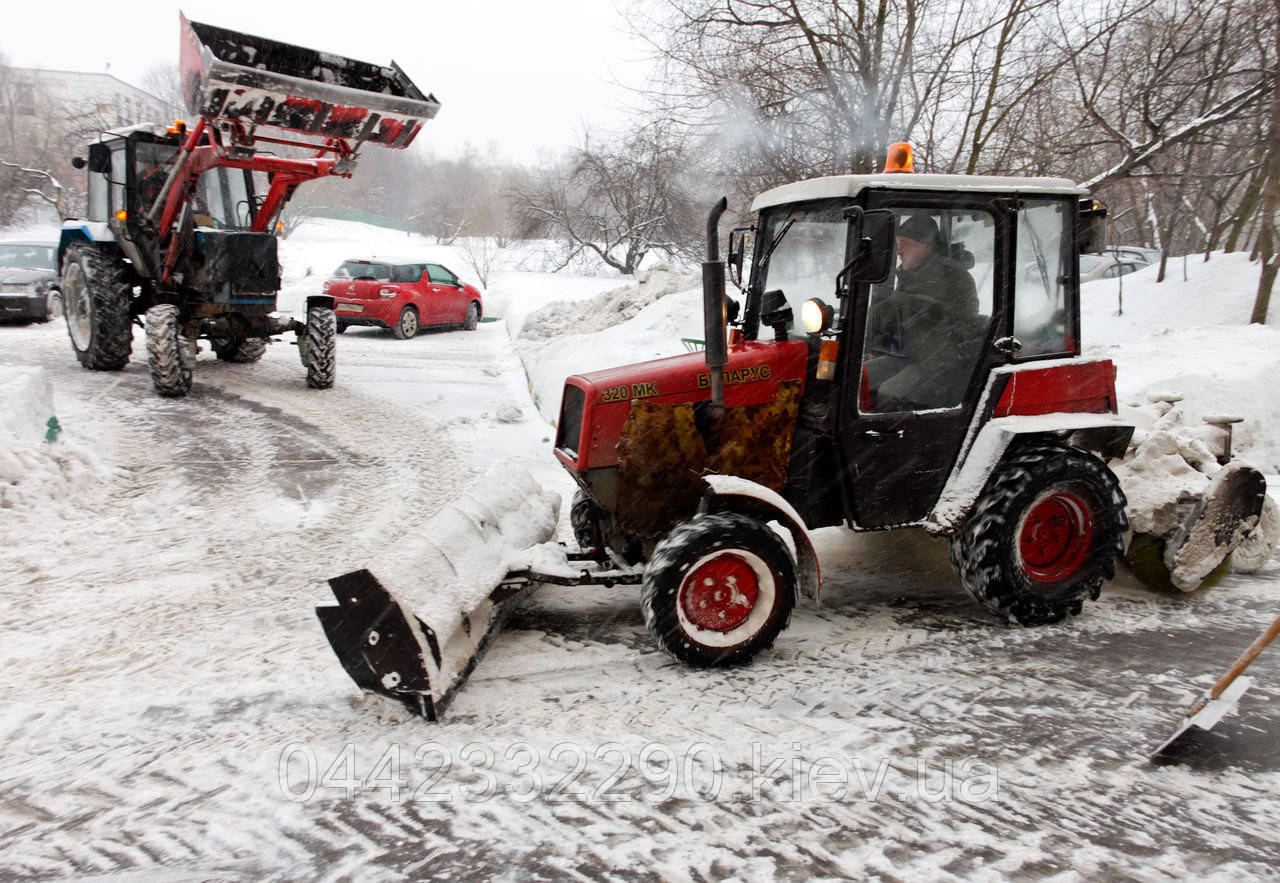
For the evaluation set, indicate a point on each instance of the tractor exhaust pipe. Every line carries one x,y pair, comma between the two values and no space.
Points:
714,312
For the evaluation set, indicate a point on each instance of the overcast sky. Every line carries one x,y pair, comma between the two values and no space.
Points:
524,75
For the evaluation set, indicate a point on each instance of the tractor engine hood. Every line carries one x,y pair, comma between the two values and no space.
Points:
595,406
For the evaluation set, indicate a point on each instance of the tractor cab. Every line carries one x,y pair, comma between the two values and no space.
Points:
910,291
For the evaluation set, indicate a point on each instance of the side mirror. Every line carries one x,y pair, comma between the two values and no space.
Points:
737,253
874,255
776,313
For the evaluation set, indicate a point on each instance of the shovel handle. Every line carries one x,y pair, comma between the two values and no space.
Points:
1246,659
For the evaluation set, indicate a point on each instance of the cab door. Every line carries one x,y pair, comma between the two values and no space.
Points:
922,359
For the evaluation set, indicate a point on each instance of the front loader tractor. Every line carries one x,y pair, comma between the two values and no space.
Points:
942,388
181,220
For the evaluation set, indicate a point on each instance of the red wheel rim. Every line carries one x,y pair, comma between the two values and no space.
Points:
720,594
1055,537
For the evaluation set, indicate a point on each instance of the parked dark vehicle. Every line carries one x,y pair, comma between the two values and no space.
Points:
29,286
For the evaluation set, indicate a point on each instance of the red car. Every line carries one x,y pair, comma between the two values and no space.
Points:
401,295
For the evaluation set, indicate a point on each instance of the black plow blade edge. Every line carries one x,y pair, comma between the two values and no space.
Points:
376,643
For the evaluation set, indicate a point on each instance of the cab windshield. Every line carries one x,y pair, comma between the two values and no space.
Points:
808,252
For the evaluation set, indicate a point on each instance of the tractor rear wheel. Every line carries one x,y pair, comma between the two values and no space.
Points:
318,347
170,355
718,590
1043,535
96,297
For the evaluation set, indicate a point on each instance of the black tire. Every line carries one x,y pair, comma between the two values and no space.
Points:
473,317
1043,535
318,347
702,624
169,355
242,350
96,295
407,325
53,306
342,327
585,516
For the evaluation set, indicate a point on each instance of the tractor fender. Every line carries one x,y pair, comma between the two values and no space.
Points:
731,493
324,301
83,231
1104,434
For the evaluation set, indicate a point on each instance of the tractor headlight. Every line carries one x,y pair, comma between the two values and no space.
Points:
816,316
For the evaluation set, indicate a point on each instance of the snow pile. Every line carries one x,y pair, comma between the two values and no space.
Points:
608,309
1165,463
453,562
1191,337
634,323
35,473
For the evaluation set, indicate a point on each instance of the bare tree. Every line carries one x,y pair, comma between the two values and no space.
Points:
618,199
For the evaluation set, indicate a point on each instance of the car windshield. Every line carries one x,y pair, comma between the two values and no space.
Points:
365,270
31,257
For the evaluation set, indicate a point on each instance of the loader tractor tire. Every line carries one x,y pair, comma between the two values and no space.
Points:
585,517
96,296
1043,535
718,590
407,325
318,348
242,350
473,317
170,355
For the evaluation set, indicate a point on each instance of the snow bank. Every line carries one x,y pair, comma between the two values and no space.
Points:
1191,337
633,323
36,474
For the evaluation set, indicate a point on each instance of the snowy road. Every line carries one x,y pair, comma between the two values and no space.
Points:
171,704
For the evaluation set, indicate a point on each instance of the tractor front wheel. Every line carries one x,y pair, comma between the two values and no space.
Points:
96,296
718,590
170,355
318,347
1043,536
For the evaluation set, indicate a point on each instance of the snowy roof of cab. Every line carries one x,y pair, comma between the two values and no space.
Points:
835,186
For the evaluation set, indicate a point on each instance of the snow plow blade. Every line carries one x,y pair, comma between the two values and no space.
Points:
416,630
386,649
252,81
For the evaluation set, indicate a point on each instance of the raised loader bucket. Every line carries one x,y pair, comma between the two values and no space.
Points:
415,631
253,81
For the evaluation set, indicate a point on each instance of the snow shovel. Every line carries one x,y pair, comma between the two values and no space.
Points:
1222,698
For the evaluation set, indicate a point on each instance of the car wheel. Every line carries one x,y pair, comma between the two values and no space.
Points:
718,590
473,316
52,305
342,328
1043,535
407,325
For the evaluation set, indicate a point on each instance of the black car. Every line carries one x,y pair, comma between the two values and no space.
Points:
29,281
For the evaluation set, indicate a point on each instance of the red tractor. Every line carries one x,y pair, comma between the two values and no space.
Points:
950,395
181,223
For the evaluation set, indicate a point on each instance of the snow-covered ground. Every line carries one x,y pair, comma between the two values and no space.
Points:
173,709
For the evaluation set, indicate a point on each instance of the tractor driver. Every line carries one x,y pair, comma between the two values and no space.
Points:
928,327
